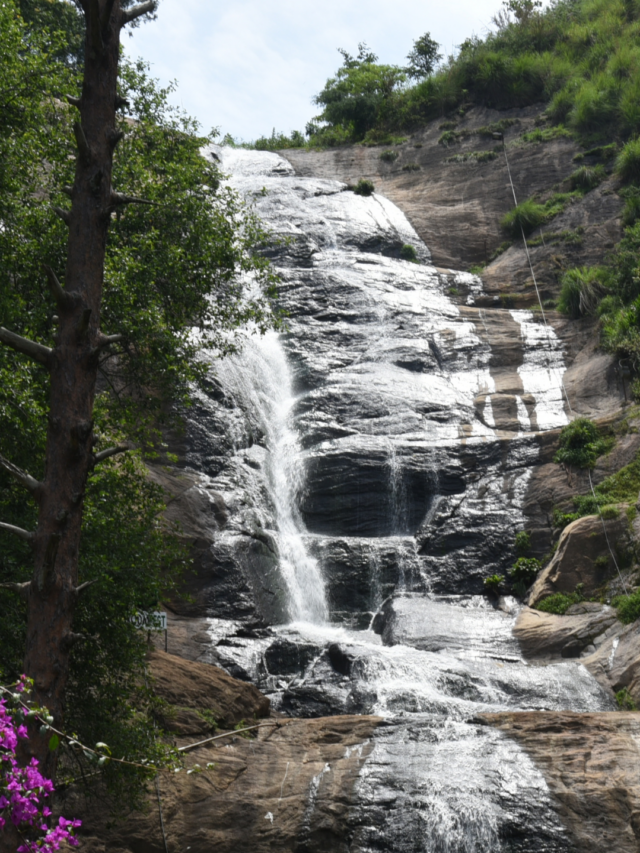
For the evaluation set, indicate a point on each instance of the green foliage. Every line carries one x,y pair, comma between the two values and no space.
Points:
526,217
581,444
355,99
628,162
609,511
628,607
564,519
280,141
587,178
178,265
408,253
364,187
450,137
493,582
625,700
423,58
546,134
524,570
389,156
578,56
523,542
61,18
553,238
582,291
631,212
559,602
411,167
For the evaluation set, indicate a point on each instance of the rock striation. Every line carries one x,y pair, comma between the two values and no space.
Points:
590,762
347,486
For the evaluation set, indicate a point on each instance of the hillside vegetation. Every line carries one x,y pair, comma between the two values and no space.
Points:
580,57
580,61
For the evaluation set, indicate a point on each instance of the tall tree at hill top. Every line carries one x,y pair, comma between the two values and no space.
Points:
177,259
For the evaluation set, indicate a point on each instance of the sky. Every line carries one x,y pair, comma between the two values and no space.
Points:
247,66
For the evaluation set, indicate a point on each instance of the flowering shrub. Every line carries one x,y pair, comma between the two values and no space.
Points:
23,790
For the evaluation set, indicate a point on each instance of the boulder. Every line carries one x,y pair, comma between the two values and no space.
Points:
616,661
193,688
546,636
583,557
290,789
591,763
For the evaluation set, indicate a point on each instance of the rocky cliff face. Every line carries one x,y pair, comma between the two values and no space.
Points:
348,485
456,193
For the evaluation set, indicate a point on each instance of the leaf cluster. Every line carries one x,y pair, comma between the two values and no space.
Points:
580,444
185,276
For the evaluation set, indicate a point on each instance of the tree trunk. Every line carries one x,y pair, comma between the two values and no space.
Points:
73,367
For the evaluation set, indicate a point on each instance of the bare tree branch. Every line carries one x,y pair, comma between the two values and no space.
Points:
38,352
75,102
63,214
68,191
21,588
106,341
111,451
118,199
121,102
26,480
63,297
84,586
129,15
18,531
71,639
115,137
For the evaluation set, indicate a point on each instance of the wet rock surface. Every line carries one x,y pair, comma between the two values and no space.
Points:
348,485
546,636
291,789
455,202
583,557
591,763
207,692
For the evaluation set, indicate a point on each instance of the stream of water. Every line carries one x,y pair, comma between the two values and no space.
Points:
390,491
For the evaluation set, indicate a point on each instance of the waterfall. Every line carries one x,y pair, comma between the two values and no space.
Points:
391,487
260,378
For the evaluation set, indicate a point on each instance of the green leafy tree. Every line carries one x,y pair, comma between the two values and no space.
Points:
154,261
355,97
59,17
424,57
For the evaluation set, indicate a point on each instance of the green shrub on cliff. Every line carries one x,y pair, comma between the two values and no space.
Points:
559,602
582,291
581,444
628,607
625,700
628,162
523,542
523,573
581,57
586,178
526,217
364,187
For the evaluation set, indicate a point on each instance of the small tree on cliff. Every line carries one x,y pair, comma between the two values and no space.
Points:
424,57
176,248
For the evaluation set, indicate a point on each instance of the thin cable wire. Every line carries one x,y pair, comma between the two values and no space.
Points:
566,395
164,834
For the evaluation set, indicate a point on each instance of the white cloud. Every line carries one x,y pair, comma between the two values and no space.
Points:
248,66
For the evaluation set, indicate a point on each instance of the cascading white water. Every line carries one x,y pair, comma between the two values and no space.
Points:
398,420
260,378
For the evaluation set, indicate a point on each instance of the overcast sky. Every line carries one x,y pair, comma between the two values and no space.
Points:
247,66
